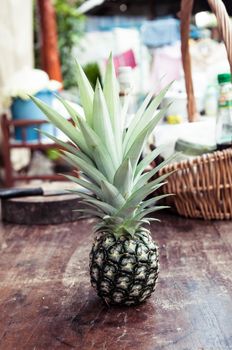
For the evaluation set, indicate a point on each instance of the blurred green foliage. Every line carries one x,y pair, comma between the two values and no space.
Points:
92,72
70,28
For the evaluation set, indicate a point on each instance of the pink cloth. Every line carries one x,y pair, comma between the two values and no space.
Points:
166,66
127,58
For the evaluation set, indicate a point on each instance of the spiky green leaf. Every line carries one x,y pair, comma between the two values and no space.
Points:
99,152
141,180
111,93
107,208
146,161
102,125
95,175
147,176
112,195
66,146
136,147
137,117
61,123
123,178
143,119
72,112
88,185
137,197
152,201
145,212
86,93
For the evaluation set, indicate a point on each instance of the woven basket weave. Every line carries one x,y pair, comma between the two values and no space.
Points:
202,186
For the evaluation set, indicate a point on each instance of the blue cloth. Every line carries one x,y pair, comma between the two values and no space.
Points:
160,32
108,23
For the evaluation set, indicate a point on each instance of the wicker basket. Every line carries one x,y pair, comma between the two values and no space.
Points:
203,186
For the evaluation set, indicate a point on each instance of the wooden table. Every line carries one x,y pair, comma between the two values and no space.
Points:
46,301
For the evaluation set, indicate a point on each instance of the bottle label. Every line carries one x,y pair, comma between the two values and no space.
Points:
225,100
224,121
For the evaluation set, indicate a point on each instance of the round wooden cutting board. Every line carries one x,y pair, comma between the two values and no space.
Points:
39,210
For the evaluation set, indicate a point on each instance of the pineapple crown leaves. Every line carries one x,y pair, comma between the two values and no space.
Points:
108,156
111,94
119,226
86,93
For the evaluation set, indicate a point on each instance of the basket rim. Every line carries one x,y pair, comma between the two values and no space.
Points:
202,159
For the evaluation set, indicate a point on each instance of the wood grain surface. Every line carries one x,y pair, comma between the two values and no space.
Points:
46,301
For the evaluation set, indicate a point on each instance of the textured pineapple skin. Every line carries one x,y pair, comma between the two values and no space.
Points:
124,271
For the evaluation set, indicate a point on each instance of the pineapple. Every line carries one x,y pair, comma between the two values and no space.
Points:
124,260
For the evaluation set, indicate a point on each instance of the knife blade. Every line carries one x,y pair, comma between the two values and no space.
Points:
7,193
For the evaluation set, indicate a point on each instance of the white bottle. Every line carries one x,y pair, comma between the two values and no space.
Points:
125,91
224,118
211,101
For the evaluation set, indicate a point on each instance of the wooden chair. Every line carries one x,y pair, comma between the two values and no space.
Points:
9,143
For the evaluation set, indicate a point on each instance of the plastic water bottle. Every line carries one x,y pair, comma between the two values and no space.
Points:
224,118
125,93
211,101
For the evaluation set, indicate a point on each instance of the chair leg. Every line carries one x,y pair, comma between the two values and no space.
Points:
8,181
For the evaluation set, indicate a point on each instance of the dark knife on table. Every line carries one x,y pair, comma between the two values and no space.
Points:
7,193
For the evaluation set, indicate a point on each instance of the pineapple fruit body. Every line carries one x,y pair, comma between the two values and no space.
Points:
124,270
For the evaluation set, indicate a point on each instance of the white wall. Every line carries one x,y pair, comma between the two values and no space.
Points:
16,38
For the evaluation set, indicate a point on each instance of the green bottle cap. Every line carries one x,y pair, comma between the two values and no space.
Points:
224,78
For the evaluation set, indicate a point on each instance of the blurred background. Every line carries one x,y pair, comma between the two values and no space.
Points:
40,41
